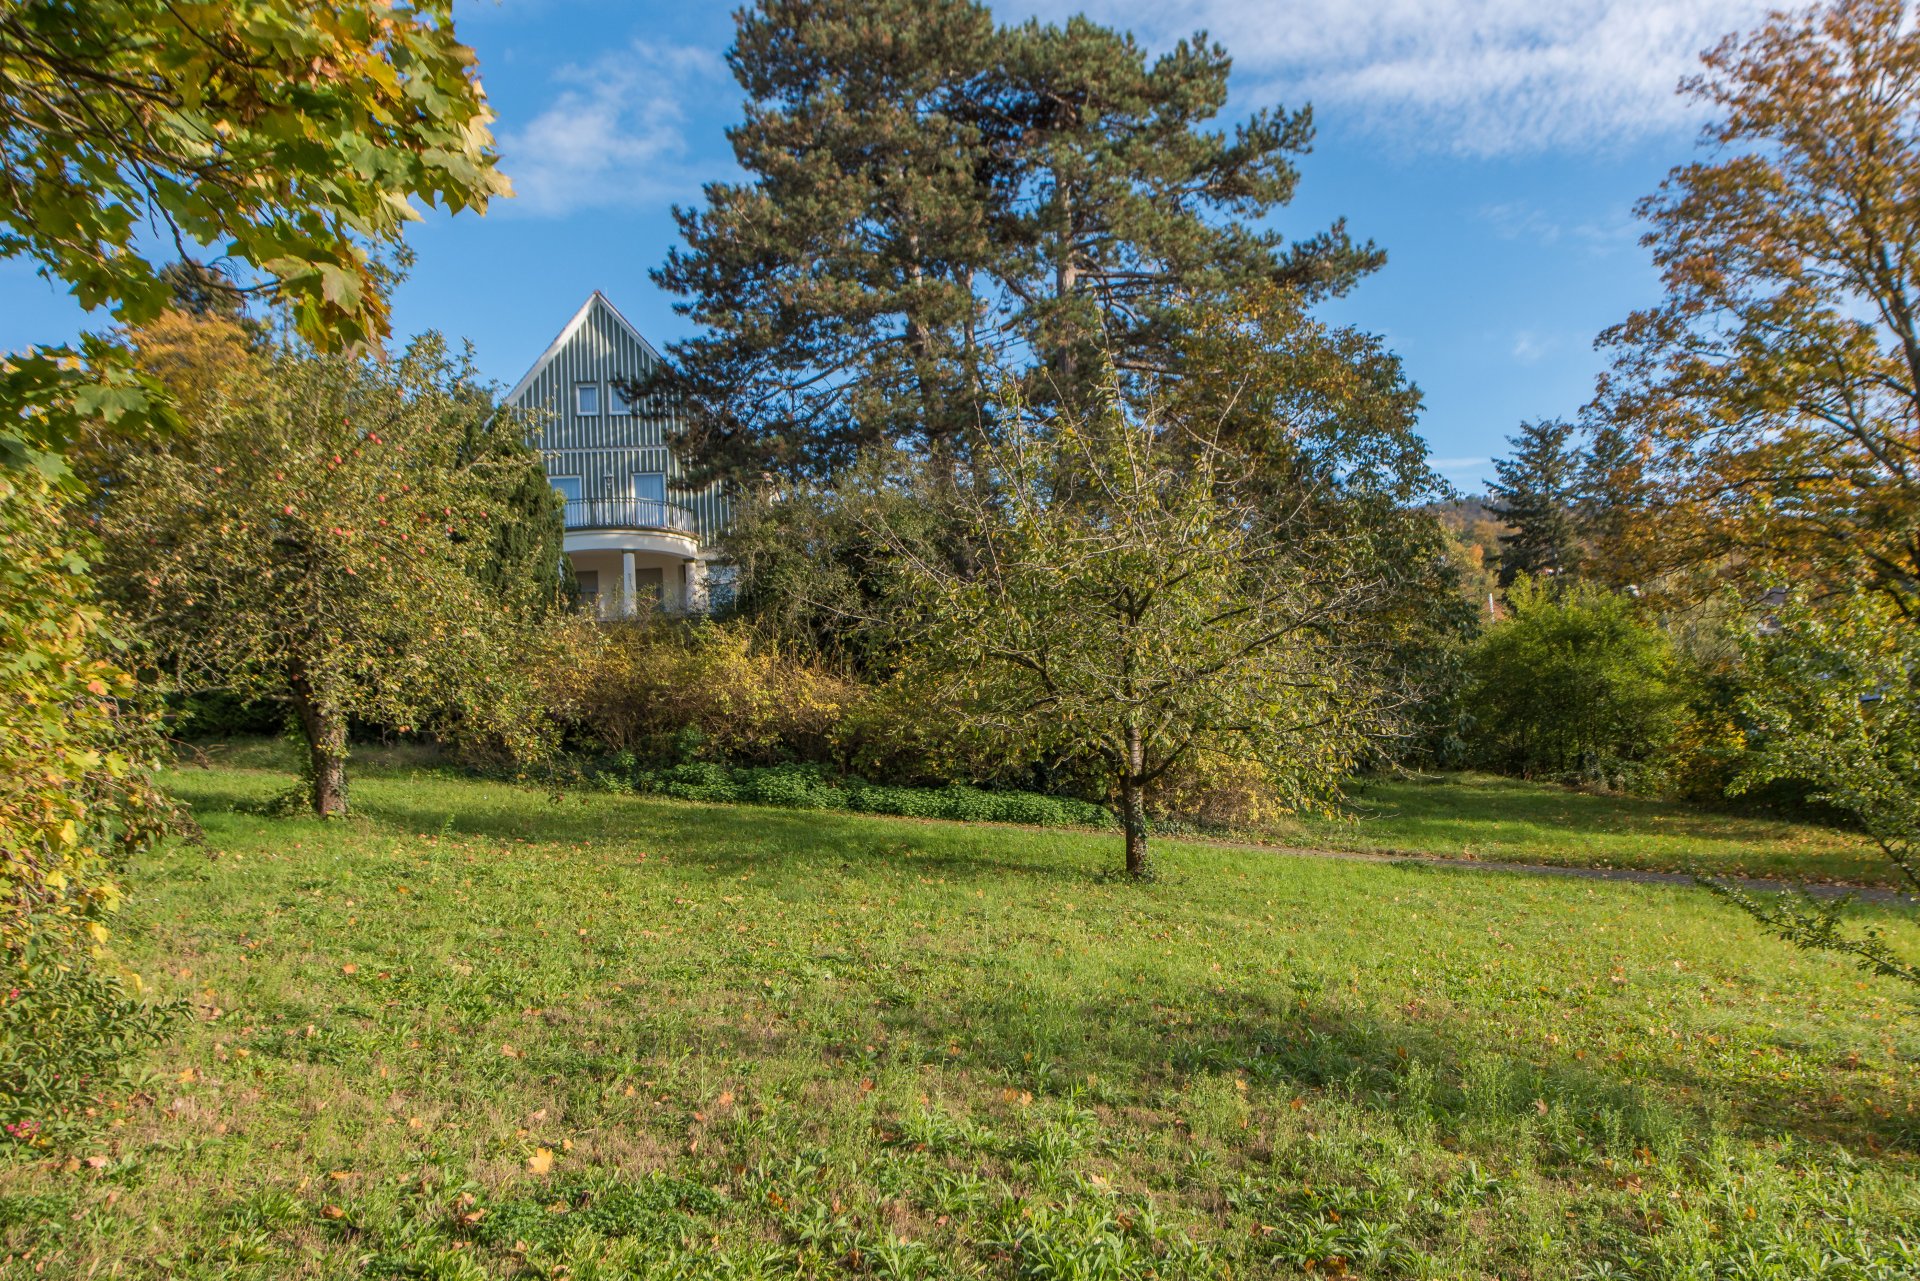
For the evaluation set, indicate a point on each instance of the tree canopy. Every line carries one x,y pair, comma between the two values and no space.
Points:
931,199
1123,600
321,537
1776,387
294,137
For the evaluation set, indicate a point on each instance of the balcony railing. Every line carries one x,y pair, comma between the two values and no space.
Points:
628,513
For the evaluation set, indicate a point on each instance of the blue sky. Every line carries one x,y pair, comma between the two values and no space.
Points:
1495,148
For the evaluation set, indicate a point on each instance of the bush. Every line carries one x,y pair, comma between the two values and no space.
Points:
70,1032
794,786
76,798
1572,684
665,689
808,787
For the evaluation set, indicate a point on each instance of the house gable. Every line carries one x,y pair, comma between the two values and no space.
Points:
603,451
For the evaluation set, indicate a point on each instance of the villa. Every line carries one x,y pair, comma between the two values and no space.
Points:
636,537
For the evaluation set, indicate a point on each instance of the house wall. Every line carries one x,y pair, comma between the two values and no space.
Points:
604,451
608,571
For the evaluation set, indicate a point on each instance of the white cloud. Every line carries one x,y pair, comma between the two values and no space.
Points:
613,135
1474,77
1530,348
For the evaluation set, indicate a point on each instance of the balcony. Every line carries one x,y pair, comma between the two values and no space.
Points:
629,513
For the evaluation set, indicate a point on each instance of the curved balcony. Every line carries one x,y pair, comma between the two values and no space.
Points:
629,513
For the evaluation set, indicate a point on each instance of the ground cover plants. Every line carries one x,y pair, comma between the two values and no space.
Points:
471,1032
809,787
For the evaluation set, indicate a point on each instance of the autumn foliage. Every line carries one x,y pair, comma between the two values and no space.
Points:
317,537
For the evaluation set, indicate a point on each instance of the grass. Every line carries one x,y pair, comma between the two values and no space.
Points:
1480,816
472,1033
1461,815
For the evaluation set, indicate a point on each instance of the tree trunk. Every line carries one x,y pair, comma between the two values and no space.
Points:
1133,809
325,728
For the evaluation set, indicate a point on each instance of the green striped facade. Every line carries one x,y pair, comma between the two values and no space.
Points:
603,451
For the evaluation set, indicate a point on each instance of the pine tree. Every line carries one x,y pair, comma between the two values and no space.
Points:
1538,495
835,287
1123,202
931,196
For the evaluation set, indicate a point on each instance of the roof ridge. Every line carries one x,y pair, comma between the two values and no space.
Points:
573,327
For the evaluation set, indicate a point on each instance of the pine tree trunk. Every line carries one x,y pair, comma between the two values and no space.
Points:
325,728
1133,809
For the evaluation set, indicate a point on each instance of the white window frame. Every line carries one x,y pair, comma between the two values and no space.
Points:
617,403
635,482
580,397
560,484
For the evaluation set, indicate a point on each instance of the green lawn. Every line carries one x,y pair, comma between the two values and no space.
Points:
1479,816
474,1033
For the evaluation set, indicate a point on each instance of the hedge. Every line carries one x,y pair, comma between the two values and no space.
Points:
809,788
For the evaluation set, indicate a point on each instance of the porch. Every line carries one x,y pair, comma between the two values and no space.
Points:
623,581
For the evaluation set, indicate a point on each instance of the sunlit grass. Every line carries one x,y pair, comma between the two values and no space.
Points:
475,1033
1479,816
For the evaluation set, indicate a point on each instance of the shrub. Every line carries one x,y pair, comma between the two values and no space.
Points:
795,786
665,688
1571,683
76,797
972,804
70,1033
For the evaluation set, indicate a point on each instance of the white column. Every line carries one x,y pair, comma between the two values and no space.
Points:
694,574
629,590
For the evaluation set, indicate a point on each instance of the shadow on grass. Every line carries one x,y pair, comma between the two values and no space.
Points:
732,837
1428,1076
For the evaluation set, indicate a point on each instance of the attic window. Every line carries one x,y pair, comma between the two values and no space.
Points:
586,399
617,400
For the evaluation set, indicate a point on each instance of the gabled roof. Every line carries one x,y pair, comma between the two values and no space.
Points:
573,327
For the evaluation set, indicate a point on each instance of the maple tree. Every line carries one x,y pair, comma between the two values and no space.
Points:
293,136
1775,390
289,138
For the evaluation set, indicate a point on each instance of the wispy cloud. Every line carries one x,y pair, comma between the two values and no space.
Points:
1530,348
1477,77
614,133
1523,221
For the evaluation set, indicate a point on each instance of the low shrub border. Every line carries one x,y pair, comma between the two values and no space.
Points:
810,788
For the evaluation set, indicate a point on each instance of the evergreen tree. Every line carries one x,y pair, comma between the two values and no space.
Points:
1613,507
1538,495
1122,203
930,195
526,563
835,287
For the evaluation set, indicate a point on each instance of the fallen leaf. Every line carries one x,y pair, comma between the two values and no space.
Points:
541,1161
332,1212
